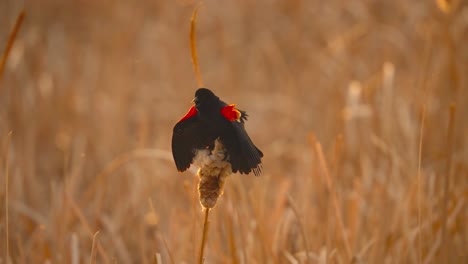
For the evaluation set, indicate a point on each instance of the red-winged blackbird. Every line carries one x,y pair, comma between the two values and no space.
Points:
211,119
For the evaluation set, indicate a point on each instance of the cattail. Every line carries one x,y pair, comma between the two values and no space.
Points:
213,171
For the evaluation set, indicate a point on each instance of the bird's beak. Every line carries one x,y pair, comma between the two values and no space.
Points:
194,100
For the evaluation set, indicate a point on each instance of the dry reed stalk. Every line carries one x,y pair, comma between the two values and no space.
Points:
433,250
193,46
234,217
21,254
143,238
419,182
301,226
169,253
161,237
353,206
7,227
201,254
423,79
3,59
195,206
448,7
332,191
111,231
93,248
232,240
448,170
79,214
261,231
157,258
74,249
10,41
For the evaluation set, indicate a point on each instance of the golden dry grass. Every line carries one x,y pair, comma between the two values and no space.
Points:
349,100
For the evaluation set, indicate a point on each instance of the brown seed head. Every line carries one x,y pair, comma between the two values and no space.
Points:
214,170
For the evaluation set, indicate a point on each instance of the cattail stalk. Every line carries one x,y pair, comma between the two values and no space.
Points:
213,172
205,231
10,41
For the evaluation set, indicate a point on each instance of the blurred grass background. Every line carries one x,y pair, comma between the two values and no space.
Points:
349,101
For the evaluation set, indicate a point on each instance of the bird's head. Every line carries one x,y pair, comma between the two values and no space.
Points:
204,96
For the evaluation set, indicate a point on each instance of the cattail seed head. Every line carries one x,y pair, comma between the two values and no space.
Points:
213,171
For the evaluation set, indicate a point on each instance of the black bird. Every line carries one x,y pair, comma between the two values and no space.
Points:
211,119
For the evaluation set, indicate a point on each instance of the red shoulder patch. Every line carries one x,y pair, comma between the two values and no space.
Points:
192,112
231,113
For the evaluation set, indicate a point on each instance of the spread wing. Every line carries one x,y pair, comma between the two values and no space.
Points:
243,154
188,136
